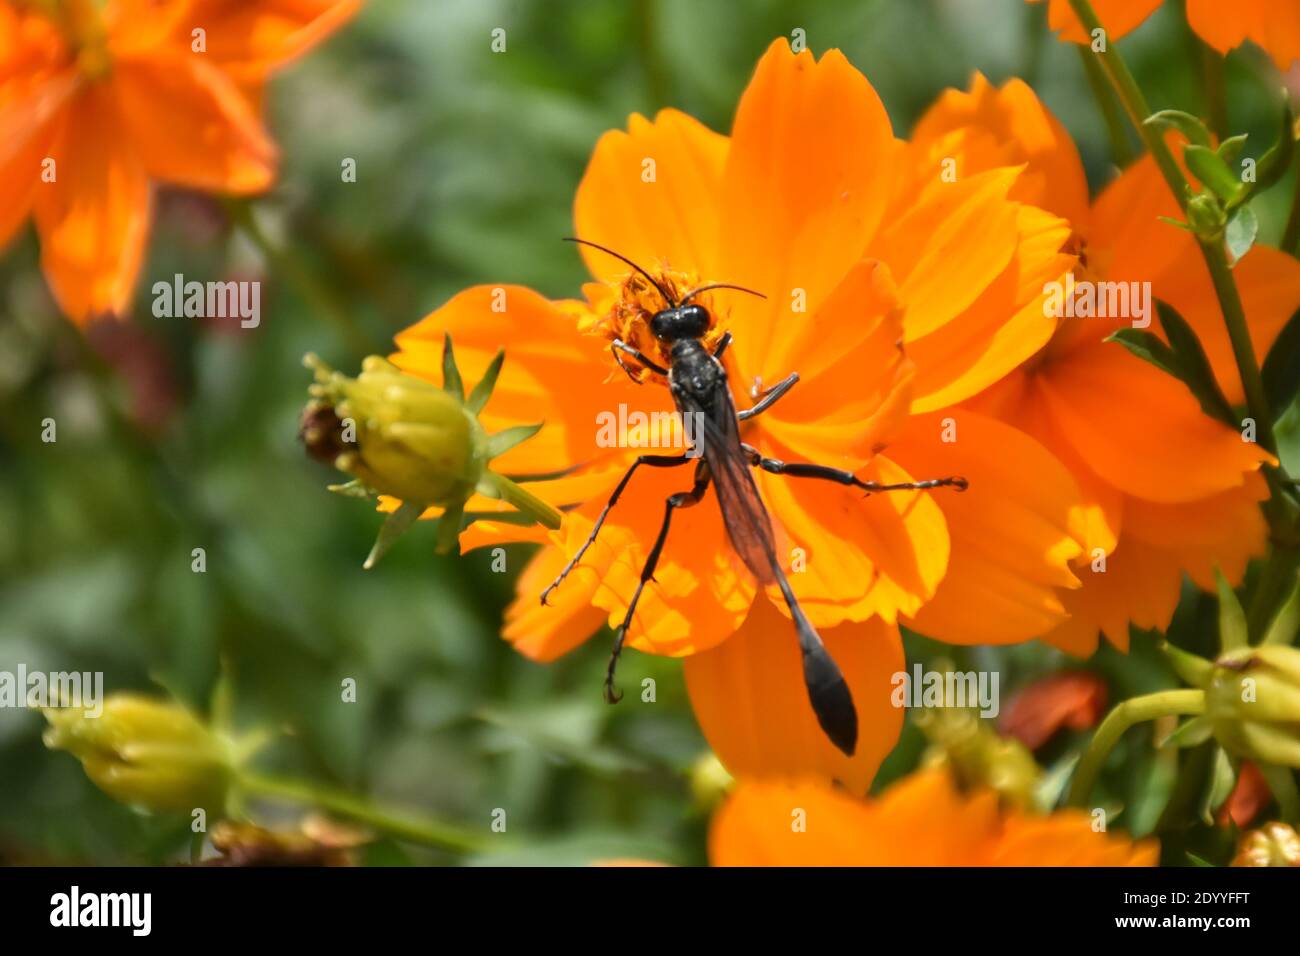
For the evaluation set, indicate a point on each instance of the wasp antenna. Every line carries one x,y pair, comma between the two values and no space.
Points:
718,285
622,258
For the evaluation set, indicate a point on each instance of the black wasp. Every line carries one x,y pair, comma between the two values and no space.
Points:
699,388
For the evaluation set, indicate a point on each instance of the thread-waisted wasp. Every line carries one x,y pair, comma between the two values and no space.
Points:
698,384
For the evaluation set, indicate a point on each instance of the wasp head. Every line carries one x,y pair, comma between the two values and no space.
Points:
681,322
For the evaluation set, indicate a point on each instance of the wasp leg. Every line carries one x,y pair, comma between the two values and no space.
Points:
654,461
770,397
805,470
620,346
683,499
722,345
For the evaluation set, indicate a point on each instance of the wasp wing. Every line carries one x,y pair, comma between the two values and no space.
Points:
716,434
749,527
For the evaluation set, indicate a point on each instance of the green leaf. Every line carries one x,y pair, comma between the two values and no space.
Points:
1274,164
1286,623
1147,346
1194,368
1230,149
1185,123
483,390
451,381
1232,619
1243,229
1195,860
503,441
1282,366
1214,174
394,526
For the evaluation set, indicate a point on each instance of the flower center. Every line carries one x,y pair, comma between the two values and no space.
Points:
623,310
82,24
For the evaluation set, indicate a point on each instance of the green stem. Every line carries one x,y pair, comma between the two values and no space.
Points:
1225,286
1120,146
287,264
1291,238
1216,99
1136,710
1234,316
422,831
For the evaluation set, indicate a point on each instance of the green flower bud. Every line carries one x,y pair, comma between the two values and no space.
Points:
1253,703
396,433
401,436
1206,217
149,753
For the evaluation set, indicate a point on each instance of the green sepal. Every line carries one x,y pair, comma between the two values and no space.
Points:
478,398
503,441
393,528
1232,619
451,380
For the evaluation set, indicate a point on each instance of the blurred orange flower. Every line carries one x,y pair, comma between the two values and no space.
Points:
1149,516
810,200
1274,25
98,100
1117,16
922,820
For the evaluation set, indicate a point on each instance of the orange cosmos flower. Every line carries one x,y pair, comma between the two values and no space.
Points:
892,302
922,820
97,101
1167,490
1274,25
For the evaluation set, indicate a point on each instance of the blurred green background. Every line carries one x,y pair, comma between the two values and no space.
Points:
467,162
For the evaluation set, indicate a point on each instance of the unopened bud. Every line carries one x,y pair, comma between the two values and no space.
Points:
1253,703
148,753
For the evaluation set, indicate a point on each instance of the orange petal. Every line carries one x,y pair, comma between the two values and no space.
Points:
806,183
1117,17
922,820
31,120
253,38
857,555
749,697
1127,241
1093,396
1223,531
990,127
543,632
1003,327
651,194
1140,584
854,388
192,126
1012,531
94,219
1274,26
1067,838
